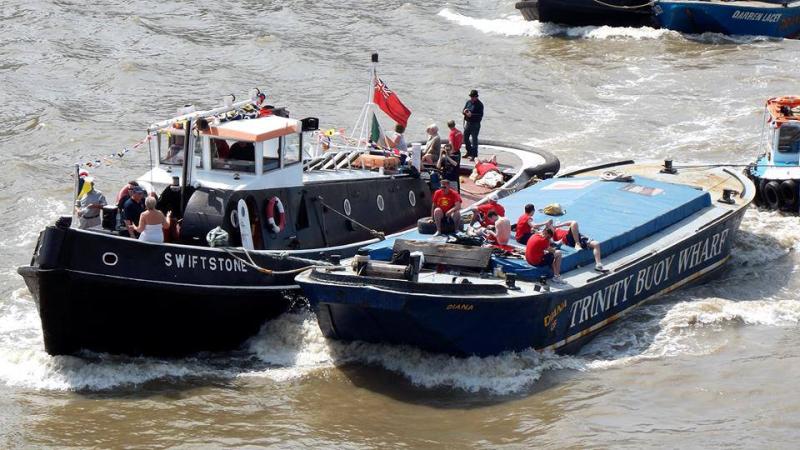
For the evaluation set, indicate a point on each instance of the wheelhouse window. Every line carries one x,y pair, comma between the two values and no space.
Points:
170,148
291,153
789,139
237,156
271,155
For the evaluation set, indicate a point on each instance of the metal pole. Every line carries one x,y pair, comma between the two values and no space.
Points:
75,194
188,156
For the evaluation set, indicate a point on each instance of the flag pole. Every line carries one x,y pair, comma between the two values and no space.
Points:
363,122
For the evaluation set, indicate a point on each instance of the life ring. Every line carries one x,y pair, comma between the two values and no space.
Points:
270,213
788,191
772,196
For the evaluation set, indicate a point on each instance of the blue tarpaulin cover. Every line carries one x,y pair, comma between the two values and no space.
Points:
616,214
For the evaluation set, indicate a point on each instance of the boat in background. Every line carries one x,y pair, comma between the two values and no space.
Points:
775,18
776,172
287,196
615,13
658,228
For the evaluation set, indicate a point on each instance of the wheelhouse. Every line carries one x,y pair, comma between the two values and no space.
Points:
784,130
257,153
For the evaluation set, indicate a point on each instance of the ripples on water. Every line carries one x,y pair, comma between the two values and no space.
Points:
89,84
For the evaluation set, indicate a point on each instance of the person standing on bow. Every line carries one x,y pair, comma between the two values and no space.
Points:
90,206
473,113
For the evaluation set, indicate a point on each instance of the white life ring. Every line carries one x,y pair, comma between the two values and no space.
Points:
278,226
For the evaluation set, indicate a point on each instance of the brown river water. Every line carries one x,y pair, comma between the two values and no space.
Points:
715,365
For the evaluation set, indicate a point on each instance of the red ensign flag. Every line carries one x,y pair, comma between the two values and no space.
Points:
389,103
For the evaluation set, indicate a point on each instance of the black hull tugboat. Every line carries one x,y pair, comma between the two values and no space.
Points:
776,172
287,197
615,13
658,229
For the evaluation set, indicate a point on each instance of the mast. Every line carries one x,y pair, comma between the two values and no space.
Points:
362,128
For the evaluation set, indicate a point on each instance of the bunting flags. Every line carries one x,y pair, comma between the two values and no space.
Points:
390,103
107,159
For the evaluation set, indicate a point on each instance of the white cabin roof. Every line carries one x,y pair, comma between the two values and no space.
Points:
256,130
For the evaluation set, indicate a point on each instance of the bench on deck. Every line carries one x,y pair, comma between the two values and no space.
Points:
446,253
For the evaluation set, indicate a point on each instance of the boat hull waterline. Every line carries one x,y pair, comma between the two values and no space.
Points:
105,293
462,325
588,12
477,314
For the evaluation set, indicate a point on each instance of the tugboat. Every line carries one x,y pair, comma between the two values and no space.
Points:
776,172
286,196
580,13
658,229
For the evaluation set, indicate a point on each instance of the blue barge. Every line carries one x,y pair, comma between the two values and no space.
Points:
775,18
657,233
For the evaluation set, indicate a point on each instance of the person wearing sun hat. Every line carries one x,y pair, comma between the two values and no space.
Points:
473,114
90,205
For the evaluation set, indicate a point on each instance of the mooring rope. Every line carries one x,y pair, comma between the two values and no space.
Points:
378,234
255,266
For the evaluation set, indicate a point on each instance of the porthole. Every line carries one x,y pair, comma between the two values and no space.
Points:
234,219
110,259
412,199
379,200
347,209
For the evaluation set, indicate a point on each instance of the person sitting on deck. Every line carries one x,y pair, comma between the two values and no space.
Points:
481,212
487,173
450,165
539,252
526,225
446,206
499,232
433,148
568,233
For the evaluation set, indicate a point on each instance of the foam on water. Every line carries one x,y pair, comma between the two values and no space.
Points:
296,340
291,347
515,25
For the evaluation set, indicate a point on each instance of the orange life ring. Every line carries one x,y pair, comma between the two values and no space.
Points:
281,224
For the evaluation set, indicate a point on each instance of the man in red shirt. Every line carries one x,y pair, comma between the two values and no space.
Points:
568,233
446,205
526,226
539,252
484,209
456,136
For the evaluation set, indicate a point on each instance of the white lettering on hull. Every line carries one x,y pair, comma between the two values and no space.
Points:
651,279
209,263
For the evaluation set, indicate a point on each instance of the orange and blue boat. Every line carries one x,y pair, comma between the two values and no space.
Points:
776,171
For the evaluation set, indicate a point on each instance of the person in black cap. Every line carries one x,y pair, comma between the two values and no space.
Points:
133,208
473,113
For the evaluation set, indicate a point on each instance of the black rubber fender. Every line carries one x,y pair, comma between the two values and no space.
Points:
788,191
426,225
772,194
